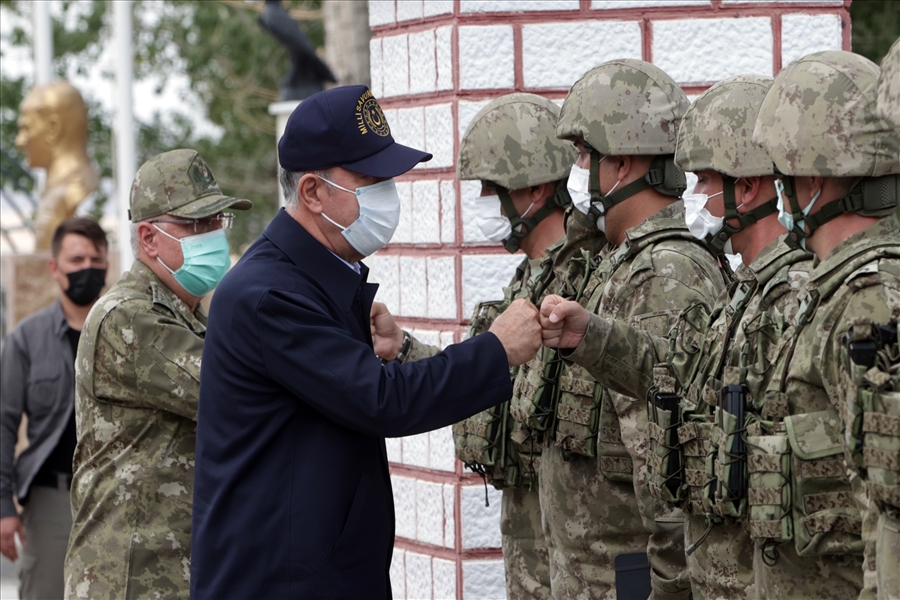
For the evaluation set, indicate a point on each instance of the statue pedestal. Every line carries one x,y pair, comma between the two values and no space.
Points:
281,111
27,286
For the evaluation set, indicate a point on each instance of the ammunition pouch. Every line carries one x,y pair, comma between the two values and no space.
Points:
664,460
577,412
480,442
798,487
729,498
532,404
696,439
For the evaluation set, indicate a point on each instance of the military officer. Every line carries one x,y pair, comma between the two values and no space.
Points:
704,351
137,388
839,161
603,525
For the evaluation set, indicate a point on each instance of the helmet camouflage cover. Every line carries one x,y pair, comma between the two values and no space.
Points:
889,86
512,143
716,132
624,107
819,119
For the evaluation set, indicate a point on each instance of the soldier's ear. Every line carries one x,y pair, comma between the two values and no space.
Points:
147,239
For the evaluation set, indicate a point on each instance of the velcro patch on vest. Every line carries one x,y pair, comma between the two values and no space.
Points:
616,464
882,459
825,522
573,414
765,496
764,463
818,469
814,503
881,423
765,529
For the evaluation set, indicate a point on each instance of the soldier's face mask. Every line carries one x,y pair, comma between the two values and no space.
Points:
206,260
493,224
701,223
379,215
786,218
579,189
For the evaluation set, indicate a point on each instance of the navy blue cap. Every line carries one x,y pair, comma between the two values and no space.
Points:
344,127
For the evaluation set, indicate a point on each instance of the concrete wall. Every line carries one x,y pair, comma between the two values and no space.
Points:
434,65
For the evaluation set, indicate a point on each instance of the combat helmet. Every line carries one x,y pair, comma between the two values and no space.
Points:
716,134
511,144
626,107
889,86
819,119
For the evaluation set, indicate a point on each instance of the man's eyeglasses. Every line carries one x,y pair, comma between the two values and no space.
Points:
219,221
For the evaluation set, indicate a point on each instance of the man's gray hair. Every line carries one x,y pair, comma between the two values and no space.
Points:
135,241
291,179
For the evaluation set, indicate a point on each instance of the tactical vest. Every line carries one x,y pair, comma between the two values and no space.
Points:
586,420
706,432
491,443
798,487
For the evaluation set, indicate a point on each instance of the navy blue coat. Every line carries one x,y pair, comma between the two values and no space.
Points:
292,494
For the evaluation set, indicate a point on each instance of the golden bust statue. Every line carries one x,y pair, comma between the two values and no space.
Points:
53,127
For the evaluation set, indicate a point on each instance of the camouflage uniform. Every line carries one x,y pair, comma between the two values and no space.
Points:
593,474
137,388
511,145
809,515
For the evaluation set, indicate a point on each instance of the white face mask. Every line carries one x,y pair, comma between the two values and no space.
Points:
785,217
700,222
379,215
491,221
579,190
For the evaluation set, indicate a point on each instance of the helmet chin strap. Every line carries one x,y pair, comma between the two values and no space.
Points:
716,243
611,199
521,227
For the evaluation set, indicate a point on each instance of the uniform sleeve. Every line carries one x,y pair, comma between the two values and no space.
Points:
14,365
313,356
149,360
419,350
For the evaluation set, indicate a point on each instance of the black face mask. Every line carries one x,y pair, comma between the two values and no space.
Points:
85,285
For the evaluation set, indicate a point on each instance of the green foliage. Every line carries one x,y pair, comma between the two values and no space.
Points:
233,66
876,24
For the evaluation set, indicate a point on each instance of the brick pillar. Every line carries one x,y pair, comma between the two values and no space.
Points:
434,65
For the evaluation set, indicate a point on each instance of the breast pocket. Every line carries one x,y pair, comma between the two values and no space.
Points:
43,392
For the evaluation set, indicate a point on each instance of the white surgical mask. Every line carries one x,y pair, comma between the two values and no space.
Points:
491,221
579,190
379,215
786,217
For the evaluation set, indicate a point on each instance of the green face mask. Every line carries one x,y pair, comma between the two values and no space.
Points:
206,261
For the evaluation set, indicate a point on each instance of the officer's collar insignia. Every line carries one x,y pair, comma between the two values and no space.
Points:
201,177
370,117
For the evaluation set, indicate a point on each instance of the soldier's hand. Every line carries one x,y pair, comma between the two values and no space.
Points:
387,337
563,322
9,527
519,330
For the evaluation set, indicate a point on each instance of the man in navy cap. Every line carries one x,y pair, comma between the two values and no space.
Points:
292,493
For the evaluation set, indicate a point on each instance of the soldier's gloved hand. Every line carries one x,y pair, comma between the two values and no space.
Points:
519,330
563,322
9,527
387,337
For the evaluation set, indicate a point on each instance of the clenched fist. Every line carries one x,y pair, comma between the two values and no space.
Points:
519,330
563,322
387,337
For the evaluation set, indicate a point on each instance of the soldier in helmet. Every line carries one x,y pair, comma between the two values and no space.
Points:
705,352
137,385
839,163
511,148
603,523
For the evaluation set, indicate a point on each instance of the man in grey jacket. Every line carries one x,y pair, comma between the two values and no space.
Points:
37,378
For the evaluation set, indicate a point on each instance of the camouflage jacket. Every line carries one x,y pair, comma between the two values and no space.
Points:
137,389
803,406
646,283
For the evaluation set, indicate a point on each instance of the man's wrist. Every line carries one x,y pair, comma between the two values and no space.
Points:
404,347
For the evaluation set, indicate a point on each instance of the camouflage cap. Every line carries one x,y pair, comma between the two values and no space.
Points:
623,107
717,130
818,119
512,142
889,86
178,183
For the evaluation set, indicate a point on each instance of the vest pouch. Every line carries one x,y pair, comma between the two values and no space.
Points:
769,487
577,412
615,461
532,404
523,451
695,438
665,460
480,439
881,444
825,514
730,498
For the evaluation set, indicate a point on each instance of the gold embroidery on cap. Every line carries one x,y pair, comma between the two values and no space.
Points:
369,116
